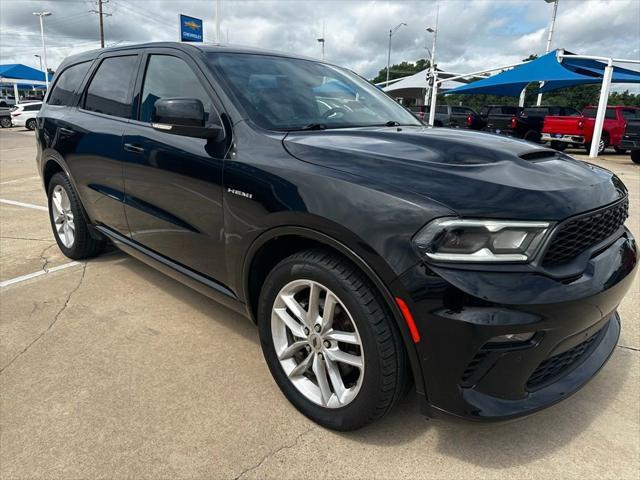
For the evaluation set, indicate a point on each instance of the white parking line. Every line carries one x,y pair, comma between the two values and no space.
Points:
25,205
17,148
18,180
29,276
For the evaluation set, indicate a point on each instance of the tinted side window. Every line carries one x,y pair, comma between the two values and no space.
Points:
611,113
69,80
631,114
109,90
170,77
442,110
509,110
32,108
570,112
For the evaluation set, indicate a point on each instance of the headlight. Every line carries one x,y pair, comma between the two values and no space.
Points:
456,240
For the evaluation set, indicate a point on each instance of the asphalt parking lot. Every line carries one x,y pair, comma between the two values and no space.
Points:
109,369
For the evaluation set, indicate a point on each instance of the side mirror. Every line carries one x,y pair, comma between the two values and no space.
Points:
183,116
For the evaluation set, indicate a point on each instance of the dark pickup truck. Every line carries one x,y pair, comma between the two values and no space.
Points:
5,117
446,115
518,122
631,137
494,118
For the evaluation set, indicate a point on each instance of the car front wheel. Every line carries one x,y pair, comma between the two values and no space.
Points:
31,124
635,156
331,346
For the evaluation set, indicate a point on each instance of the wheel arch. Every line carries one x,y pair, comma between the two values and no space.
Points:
54,163
278,243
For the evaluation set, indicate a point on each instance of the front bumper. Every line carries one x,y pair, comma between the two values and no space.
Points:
575,139
458,311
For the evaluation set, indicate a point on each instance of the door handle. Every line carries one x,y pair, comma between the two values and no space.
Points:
137,149
66,131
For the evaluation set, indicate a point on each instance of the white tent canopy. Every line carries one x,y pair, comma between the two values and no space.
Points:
416,85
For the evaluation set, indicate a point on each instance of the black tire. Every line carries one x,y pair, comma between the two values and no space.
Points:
5,122
635,156
620,151
84,245
532,136
386,365
559,146
604,143
31,124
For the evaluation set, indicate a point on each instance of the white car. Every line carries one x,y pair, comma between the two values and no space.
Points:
24,114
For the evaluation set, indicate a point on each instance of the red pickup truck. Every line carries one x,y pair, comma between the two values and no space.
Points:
563,131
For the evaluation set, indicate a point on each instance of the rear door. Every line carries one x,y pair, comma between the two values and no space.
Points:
174,183
93,137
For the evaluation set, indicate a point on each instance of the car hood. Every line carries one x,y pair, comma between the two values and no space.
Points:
473,173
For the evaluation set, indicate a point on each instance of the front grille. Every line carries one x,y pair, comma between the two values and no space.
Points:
575,236
553,367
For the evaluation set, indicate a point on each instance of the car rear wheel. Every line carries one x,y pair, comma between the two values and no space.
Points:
602,146
31,124
5,122
330,344
635,156
532,136
68,222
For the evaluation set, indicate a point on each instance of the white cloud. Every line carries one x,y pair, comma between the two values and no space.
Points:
472,35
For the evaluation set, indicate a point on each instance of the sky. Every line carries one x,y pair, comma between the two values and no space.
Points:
472,34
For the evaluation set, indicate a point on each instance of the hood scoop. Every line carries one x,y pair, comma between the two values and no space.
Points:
538,155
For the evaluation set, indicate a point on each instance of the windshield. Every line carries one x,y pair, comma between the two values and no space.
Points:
291,94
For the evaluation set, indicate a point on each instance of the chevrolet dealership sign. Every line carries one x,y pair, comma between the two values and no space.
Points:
190,29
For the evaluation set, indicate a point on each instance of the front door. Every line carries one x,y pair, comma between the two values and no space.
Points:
173,184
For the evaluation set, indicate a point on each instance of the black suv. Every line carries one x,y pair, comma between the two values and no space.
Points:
371,251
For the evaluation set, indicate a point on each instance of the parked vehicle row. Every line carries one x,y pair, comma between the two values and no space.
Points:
559,126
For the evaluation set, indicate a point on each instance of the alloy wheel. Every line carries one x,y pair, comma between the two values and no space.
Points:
63,216
317,343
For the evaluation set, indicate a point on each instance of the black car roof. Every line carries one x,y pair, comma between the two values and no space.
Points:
186,47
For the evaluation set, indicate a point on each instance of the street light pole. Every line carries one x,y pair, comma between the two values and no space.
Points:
391,32
39,58
549,37
434,73
218,13
44,47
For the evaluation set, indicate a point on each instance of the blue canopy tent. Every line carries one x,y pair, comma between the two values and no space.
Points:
558,69
549,69
22,72
22,77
